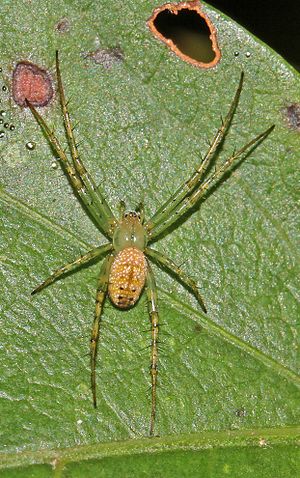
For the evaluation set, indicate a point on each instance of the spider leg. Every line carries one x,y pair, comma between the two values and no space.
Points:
189,201
75,180
100,298
185,189
89,256
164,262
153,313
122,209
141,209
93,191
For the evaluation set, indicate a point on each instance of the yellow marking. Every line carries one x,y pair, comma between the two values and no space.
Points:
127,277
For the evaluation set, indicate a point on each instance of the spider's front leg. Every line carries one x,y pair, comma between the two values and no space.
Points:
153,313
100,298
104,223
191,200
88,182
187,187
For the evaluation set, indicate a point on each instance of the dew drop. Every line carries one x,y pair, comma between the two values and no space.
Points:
2,134
236,53
30,145
248,54
12,127
2,113
4,88
1,120
6,125
54,165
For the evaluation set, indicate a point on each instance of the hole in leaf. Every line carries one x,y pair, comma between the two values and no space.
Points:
187,31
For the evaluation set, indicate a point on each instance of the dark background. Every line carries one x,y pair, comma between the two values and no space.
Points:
276,22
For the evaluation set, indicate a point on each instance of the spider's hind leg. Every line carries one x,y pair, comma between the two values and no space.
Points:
153,313
100,298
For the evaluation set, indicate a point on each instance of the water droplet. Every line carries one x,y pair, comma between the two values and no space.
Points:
1,120
2,113
0,70
2,134
54,165
4,88
248,54
236,53
12,127
30,145
6,125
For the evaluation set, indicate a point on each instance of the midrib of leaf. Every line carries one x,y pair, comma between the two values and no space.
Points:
20,206
189,311
194,442
219,331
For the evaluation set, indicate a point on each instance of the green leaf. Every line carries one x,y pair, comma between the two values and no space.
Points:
228,384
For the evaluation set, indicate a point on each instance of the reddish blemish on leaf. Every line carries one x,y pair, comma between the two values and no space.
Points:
31,82
184,8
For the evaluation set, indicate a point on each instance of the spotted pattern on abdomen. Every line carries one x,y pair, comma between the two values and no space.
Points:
127,277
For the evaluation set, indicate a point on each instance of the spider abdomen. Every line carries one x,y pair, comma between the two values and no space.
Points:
127,277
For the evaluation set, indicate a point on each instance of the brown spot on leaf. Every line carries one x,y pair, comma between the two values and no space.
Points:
292,115
63,26
33,83
106,57
168,20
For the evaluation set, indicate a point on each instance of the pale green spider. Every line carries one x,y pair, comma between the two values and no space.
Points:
126,268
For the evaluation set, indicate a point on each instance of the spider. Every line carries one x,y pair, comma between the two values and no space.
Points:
126,269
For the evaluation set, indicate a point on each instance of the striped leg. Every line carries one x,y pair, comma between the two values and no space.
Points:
164,262
99,200
74,178
153,313
187,187
88,257
190,200
100,298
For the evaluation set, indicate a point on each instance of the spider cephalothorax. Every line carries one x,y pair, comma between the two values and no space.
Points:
126,268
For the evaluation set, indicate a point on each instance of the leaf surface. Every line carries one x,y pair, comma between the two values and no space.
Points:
228,383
